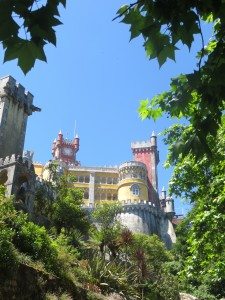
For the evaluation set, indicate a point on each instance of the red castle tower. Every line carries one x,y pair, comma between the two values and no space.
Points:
147,153
65,150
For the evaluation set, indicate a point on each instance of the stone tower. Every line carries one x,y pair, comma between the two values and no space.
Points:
147,153
16,168
65,150
15,107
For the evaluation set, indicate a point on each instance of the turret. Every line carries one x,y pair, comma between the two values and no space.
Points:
60,136
153,139
65,150
132,181
147,153
163,198
76,143
170,207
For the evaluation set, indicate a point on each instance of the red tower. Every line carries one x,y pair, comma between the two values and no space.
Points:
65,150
147,153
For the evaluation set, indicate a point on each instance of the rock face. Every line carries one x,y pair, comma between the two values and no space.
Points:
184,296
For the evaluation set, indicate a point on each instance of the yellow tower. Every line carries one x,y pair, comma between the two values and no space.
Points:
132,183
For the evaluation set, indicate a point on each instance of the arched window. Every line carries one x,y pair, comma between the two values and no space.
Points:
97,196
103,180
109,197
81,178
109,180
115,180
135,189
86,195
86,179
114,197
103,196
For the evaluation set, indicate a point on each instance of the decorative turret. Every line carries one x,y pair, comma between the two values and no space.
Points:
163,198
170,207
147,153
132,181
65,150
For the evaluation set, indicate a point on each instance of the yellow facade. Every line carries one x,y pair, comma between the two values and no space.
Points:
99,184
126,190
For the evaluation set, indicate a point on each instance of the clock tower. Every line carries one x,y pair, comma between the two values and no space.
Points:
65,150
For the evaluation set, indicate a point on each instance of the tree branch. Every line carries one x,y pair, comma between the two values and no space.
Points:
129,7
203,44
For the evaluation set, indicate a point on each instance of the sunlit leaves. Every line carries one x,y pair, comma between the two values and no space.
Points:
147,111
199,96
25,28
161,25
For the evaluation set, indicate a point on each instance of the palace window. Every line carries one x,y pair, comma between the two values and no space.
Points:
109,180
86,195
86,179
135,189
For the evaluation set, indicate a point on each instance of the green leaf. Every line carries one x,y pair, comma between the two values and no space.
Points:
26,52
122,9
136,21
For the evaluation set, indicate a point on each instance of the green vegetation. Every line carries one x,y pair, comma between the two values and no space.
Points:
197,97
88,262
196,148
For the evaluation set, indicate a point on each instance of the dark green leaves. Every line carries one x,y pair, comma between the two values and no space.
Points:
26,27
162,25
26,52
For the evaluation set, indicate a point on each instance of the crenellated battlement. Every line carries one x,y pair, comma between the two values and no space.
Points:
132,164
137,202
15,91
142,144
8,160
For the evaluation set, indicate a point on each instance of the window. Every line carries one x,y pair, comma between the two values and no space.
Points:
81,179
109,180
86,179
109,197
86,195
103,180
135,189
115,180
114,197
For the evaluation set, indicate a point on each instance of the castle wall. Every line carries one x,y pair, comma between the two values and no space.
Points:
140,217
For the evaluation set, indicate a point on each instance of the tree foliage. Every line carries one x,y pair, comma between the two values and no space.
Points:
199,96
26,27
202,240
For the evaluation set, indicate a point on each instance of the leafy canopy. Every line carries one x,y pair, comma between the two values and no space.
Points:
199,96
26,27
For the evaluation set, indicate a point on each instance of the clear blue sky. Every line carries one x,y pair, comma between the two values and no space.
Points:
96,77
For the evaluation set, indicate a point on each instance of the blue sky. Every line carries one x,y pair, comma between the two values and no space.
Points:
96,77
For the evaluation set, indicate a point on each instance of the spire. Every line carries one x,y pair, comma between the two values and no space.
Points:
153,139
163,193
153,134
